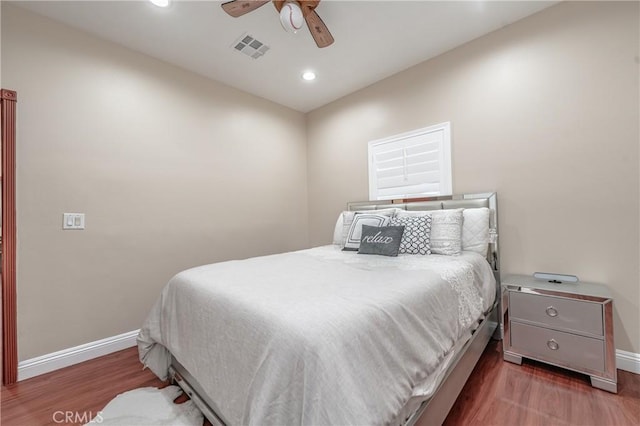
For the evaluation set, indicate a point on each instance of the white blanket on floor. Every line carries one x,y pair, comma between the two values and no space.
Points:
149,406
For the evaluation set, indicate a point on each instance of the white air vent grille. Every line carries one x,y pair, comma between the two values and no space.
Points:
251,47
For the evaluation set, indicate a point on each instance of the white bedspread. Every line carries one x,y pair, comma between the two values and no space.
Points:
317,336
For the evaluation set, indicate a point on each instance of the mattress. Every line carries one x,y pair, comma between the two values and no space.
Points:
317,336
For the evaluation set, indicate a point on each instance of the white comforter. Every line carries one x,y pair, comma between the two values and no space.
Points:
317,337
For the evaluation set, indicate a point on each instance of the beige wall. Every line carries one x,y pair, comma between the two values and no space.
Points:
171,169
545,112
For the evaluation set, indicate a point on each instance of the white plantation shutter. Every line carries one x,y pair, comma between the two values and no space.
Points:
411,165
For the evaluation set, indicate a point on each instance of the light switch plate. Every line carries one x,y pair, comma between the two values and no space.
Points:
73,221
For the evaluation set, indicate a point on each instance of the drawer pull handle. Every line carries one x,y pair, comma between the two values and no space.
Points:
553,345
552,312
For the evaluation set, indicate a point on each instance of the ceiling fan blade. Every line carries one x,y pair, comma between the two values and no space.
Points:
318,29
237,8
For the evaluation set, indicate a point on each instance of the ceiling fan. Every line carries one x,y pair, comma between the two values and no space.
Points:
290,11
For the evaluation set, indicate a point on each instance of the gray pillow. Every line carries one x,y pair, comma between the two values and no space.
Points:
382,240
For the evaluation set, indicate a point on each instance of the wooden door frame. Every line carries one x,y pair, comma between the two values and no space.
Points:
9,315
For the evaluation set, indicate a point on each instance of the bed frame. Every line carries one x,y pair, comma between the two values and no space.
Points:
435,410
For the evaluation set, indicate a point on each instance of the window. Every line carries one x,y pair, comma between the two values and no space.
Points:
411,165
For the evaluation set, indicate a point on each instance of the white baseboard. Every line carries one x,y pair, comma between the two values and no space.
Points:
66,357
628,361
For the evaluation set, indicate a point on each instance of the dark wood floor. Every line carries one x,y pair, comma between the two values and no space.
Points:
80,390
497,393
502,393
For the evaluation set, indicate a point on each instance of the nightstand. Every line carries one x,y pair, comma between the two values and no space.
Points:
569,325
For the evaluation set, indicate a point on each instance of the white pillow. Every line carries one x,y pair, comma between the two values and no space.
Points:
345,219
337,231
352,242
475,230
446,229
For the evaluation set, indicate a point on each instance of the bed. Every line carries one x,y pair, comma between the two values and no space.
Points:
325,336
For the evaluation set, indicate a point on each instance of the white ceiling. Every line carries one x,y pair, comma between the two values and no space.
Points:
374,39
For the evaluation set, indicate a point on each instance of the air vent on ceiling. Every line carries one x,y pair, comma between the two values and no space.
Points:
251,47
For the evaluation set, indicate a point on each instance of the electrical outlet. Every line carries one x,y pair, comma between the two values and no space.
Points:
73,221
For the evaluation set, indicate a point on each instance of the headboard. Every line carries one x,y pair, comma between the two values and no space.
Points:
489,200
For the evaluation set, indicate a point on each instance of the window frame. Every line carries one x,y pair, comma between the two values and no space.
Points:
444,160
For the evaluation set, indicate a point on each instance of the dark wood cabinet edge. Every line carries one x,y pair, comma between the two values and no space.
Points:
9,94
9,326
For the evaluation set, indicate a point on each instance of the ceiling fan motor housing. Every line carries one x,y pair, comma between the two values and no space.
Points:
291,16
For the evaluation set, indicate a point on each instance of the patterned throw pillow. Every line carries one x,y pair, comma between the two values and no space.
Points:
446,232
417,231
355,231
345,220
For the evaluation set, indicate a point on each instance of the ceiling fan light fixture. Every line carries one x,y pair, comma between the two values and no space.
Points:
291,13
308,75
160,3
291,16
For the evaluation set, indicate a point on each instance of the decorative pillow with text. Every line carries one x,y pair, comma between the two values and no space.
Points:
381,240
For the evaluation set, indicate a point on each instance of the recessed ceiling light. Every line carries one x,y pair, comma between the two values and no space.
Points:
309,75
160,3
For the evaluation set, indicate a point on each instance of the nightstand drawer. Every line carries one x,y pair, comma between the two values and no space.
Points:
556,312
576,352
